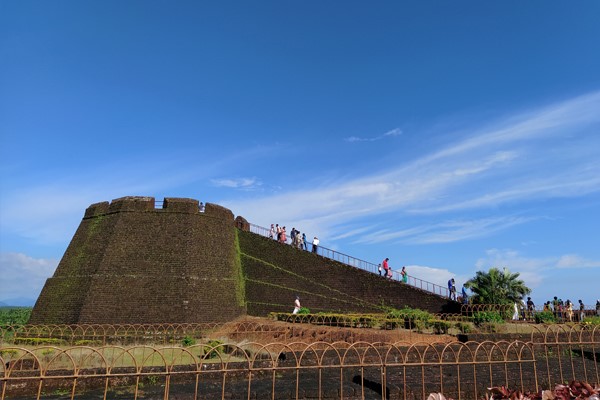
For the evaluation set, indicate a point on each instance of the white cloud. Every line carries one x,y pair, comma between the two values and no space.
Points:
237,183
390,133
520,159
575,261
22,275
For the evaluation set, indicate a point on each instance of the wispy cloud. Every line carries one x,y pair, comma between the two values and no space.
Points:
575,261
393,132
237,183
537,155
444,232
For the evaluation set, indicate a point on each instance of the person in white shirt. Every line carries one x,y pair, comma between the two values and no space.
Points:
315,244
297,305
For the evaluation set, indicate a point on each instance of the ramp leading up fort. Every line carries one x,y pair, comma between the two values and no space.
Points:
130,262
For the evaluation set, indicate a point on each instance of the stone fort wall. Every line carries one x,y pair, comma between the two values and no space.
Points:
130,262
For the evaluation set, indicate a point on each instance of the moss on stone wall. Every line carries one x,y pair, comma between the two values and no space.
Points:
238,273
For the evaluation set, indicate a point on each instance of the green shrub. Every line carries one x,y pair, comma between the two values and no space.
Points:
188,341
439,326
545,317
411,318
303,310
39,341
87,342
463,327
482,317
8,353
591,321
213,348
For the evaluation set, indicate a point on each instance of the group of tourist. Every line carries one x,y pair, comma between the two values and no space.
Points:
386,271
463,298
564,311
298,239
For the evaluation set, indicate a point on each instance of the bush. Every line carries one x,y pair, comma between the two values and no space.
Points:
545,317
303,310
439,326
188,341
39,341
591,321
213,348
463,327
482,317
411,318
87,342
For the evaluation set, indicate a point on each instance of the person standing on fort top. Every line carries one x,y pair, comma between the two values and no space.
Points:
304,241
404,275
297,305
315,245
385,266
465,296
201,207
272,232
293,235
278,231
283,238
451,290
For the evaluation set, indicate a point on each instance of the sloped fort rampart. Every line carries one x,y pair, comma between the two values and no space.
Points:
130,262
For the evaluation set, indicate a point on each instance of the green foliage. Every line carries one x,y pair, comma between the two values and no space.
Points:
238,273
87,342
497,287
482,317
188,341
463,327
591,321
304,311
8,353
213,348
14,315
412,318
439,326
545,317
32,341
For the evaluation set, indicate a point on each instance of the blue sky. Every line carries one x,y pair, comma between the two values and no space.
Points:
447,136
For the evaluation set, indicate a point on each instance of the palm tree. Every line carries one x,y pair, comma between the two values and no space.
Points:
497,287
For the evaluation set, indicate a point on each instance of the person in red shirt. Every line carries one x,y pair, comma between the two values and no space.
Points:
386,268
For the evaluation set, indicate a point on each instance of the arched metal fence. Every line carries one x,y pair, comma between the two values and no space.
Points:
300,370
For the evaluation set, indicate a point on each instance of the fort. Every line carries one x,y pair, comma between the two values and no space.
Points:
133,262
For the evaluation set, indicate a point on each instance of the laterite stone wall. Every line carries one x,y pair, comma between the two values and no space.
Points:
132,263
276,273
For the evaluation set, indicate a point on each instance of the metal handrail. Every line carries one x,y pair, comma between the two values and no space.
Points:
362,264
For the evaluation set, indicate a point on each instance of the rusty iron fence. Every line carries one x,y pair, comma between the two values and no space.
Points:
548,355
